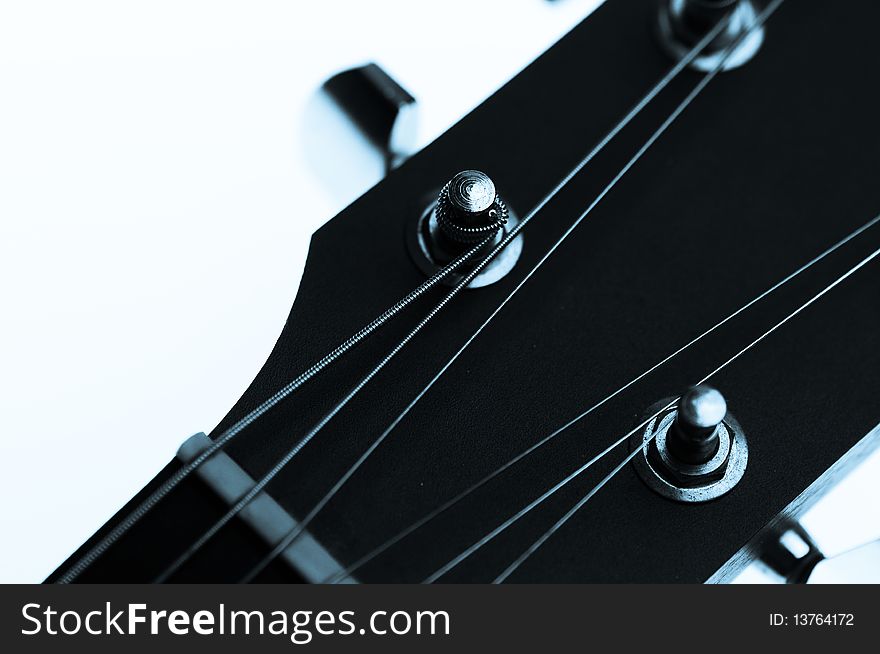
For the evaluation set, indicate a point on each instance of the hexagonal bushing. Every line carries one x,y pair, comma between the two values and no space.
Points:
688,475
678,480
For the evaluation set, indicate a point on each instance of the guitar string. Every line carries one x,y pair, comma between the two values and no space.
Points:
559,485
372,554
142,509
586,498
246,499
449,565
276,469
729,51
298,529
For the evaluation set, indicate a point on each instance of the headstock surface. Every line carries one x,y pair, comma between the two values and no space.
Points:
773,163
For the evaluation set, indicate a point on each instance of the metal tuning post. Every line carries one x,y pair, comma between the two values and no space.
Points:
467,210
693,452
682,24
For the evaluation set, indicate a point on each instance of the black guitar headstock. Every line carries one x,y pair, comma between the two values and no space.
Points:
722,236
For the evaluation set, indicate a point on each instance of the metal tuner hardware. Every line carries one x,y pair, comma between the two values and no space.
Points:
466,211
682,24
693,452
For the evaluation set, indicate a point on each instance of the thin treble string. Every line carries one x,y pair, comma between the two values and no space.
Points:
537,502
489,477
296,531
586,498
758,21
248,497
142,509
509,237
558,486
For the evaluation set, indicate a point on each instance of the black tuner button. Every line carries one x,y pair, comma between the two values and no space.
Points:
379,107
788,550
693,436
693,452
466,211
683,24
468,208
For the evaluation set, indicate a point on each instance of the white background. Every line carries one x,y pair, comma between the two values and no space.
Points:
157,158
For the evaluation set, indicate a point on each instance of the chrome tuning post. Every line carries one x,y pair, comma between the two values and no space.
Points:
693,452
682,24
466,211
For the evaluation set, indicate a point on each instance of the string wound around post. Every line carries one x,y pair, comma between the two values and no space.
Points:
467,210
